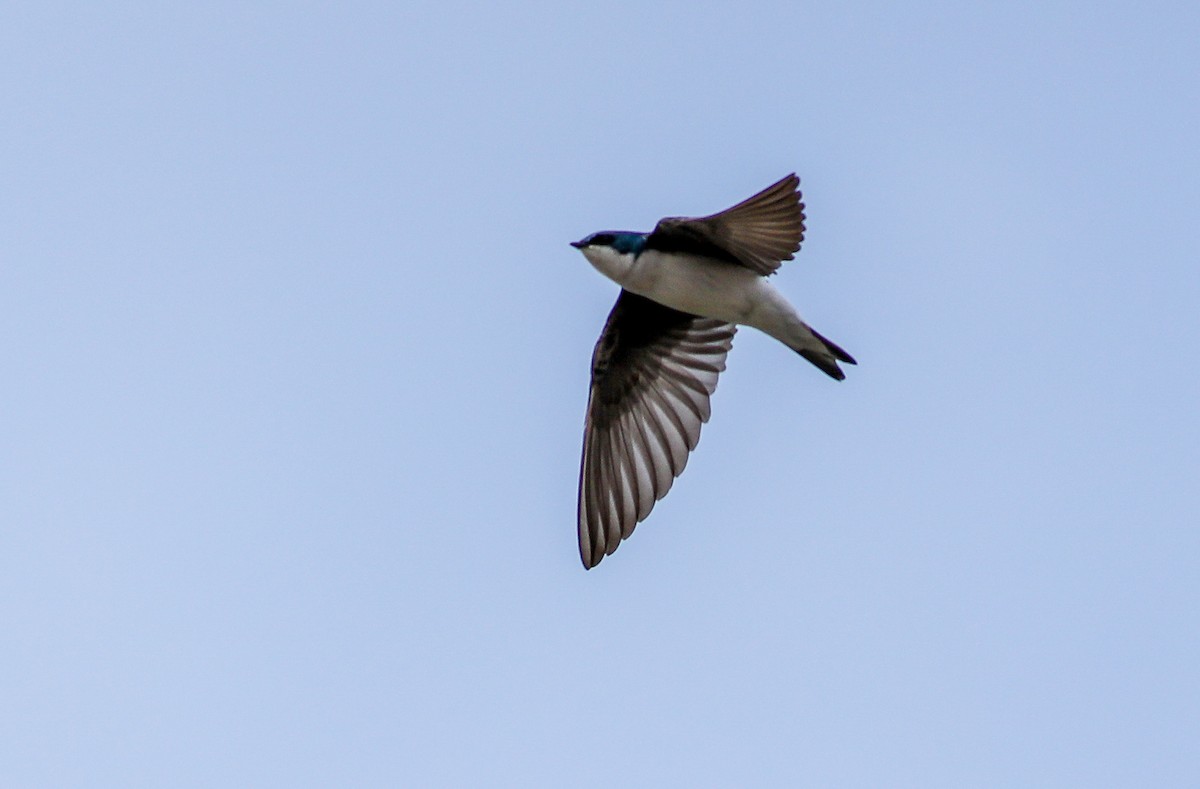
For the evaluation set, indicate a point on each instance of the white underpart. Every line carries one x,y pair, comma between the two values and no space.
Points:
711,288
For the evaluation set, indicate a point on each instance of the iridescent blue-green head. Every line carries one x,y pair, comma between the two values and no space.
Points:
623,242
612,252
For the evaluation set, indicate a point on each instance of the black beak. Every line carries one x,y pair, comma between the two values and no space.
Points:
579,244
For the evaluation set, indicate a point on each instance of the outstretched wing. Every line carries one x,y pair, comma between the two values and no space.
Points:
653,371
758,233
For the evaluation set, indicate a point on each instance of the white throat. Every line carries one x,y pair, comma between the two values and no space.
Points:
609,262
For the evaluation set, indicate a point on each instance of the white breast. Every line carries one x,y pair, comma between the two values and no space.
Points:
712,288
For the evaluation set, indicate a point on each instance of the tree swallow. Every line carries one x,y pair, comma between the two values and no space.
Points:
685,288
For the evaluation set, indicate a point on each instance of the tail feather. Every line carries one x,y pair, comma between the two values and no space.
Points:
824,364
827,358
841,355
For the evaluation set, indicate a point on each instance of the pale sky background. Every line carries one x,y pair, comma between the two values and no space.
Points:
295,359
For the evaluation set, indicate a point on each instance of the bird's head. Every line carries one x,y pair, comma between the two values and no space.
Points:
623,243
611,252
604,239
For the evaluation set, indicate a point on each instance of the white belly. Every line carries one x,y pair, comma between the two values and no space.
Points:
714,289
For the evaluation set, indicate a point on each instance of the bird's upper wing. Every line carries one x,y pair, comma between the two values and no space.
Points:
758,233
653,371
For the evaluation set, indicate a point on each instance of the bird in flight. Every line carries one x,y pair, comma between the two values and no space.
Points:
685,288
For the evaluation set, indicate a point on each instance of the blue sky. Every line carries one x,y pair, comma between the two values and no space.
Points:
296,357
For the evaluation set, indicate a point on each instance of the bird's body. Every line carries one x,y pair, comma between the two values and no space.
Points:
708,287
685,287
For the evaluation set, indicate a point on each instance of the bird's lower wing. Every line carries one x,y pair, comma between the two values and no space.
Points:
653,372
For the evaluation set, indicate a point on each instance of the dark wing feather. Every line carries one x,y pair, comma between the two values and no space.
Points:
653,372
758,233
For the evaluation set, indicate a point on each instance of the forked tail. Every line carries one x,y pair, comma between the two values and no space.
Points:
826,355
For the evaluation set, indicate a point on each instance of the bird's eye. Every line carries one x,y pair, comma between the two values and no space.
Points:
601,239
